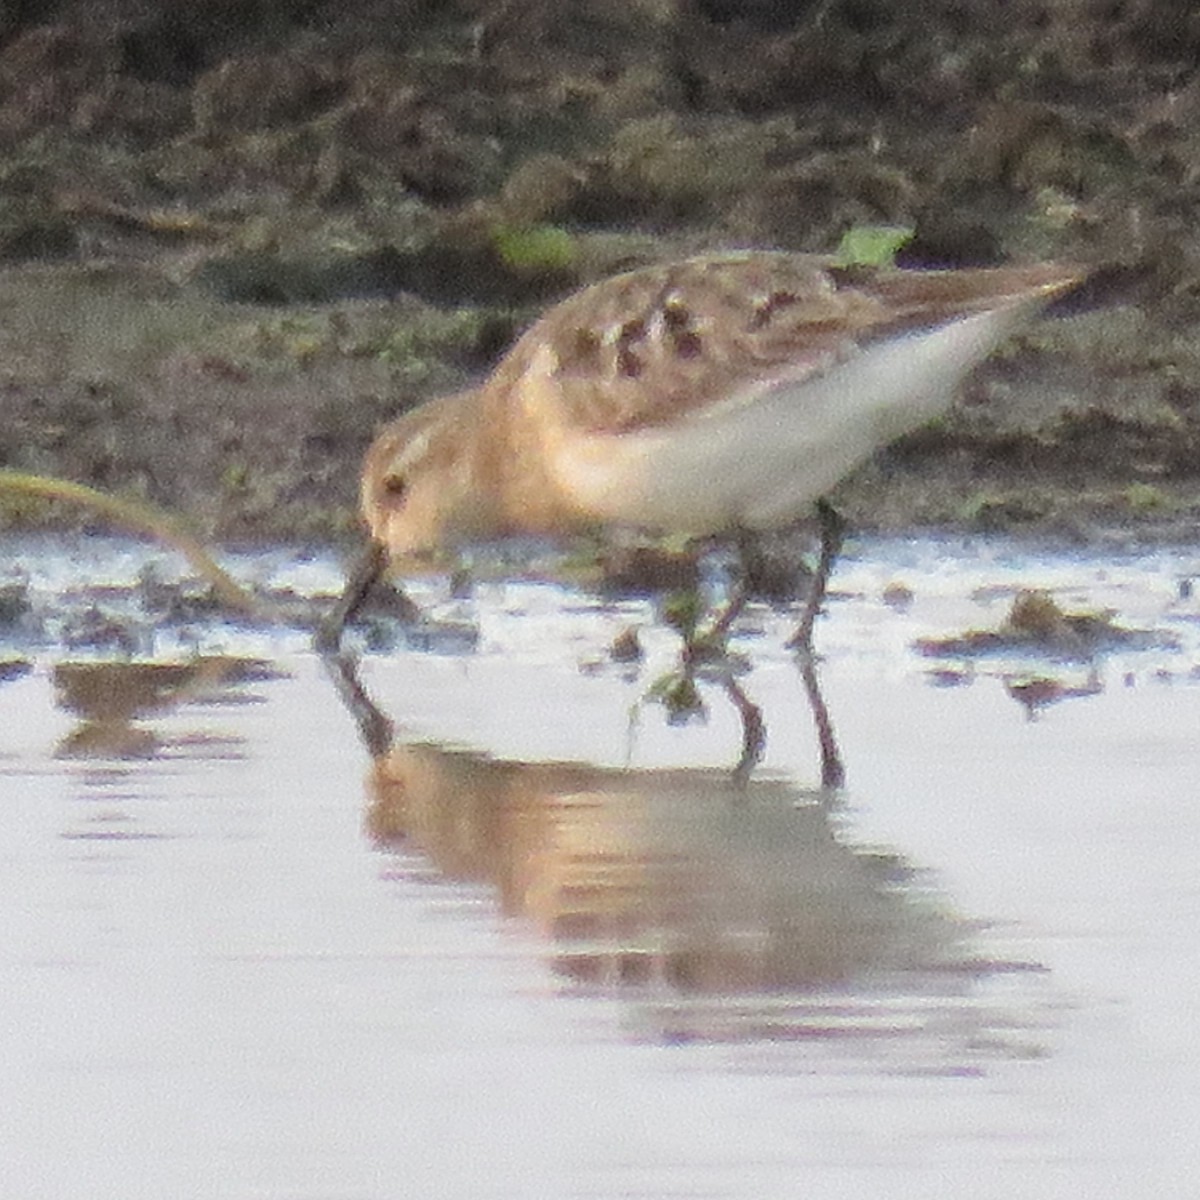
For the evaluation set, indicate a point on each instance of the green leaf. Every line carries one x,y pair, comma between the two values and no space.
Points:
535,248
873,245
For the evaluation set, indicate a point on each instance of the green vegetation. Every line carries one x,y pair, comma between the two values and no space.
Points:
873,245
535,248
1145,497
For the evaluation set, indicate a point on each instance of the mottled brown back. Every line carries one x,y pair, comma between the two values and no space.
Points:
664,343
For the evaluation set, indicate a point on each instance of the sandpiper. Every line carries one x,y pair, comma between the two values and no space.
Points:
717,395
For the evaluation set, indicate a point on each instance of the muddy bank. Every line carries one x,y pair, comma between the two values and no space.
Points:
252,421
235,239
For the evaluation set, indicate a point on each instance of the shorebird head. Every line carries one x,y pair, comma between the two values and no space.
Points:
417,490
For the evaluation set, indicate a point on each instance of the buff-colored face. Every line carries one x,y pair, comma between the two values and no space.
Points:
415,484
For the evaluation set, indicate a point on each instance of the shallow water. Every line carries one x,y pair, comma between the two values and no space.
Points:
519,936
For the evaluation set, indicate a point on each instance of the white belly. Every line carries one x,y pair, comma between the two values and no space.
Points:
762,458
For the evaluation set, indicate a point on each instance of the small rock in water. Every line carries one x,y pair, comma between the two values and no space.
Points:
898,597
93,629
442,637
14,668
626,647
14,604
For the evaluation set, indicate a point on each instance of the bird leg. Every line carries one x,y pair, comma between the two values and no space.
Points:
709,643
754,728
833,529
833,769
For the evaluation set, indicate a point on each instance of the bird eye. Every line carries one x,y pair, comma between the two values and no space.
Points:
395,486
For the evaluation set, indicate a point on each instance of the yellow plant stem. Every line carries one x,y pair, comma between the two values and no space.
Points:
138,515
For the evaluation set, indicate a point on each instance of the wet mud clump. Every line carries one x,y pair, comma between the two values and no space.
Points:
1037,626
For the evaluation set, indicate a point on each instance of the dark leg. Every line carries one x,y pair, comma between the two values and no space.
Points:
710,643
833,771
713,638
832,529
360,581
754,729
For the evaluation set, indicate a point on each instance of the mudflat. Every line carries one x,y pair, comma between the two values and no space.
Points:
236,240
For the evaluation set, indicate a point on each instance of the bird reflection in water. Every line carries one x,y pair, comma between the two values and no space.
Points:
110,699
730,908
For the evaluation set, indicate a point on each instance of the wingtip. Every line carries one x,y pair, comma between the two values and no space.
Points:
1061,278
1103,286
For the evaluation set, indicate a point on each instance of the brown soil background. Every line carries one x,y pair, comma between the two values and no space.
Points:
236,236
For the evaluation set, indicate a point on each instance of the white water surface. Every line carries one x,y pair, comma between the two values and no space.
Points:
247,962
